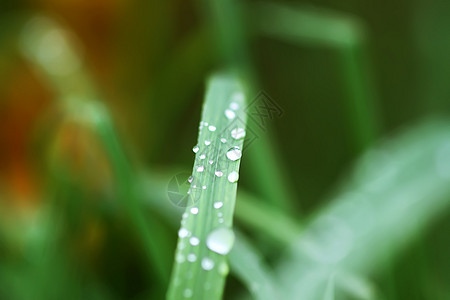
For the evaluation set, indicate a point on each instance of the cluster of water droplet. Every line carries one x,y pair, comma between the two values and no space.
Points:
209,153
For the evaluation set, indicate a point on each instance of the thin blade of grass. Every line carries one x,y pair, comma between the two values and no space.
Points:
324,28
248,265
206,234
395,192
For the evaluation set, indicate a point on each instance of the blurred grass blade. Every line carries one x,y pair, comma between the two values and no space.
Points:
248,265
324,28
206,233
259,216
395,193
268,176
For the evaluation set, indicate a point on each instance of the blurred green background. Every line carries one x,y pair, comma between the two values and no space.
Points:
68,228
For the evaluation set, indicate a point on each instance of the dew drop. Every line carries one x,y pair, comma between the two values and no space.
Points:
230,114
195,149
212,128
220,215
233,177
190,179
220,240
207,142
238,133
224,269
218,205
234,153
221,220
200,169
194,241
234,106
179,258
205,123
210,162
191,257
204,187
185,215
194,210
183,232
203,156
218,173
194,186
223,140
207,264
187,293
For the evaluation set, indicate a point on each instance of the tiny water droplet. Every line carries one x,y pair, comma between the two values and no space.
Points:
233,177
223,140
205,123
212,128
210,162
238,133
179,258
195,149
220,214
237,96
190,179
218,173
187,293
207,142
191,257
207,264
203,156
218,205
194,210
220,240
224,269
204,187
183,232
234,153
200,169
194,186
221,220
230,114
194,241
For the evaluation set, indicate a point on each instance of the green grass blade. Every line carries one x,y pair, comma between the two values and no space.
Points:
200,266
324,28
394,194
268,177
248,265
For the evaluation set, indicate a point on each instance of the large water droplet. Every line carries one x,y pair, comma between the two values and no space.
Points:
194,210
238,133
212,128
220,240
230,114
234,153
195,149
207,264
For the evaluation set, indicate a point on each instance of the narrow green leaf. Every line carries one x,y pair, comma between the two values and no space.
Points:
248,265
302,25
396,191
206,233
